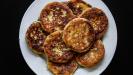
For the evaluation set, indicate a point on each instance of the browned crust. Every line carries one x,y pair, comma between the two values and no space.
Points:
55,16
93,57
63,69
35,37
55,48
79,35
77,6
97,19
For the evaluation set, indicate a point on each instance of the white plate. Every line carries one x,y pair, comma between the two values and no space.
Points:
39,66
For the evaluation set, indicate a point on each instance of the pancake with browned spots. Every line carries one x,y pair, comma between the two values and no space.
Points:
55,48
97,19
55,16
63,69
35,37
92,57
77,6
79,35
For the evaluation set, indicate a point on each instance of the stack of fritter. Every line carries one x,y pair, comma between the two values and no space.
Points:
67,34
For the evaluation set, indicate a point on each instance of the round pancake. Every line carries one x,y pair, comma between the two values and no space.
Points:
92,57
35,37
55,48
77,6
63,69
55,16
79,35
97,19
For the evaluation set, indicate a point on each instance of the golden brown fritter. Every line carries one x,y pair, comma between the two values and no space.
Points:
77,6
35,37
55,48
63,69
92,57
97,19
79,35
55,16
